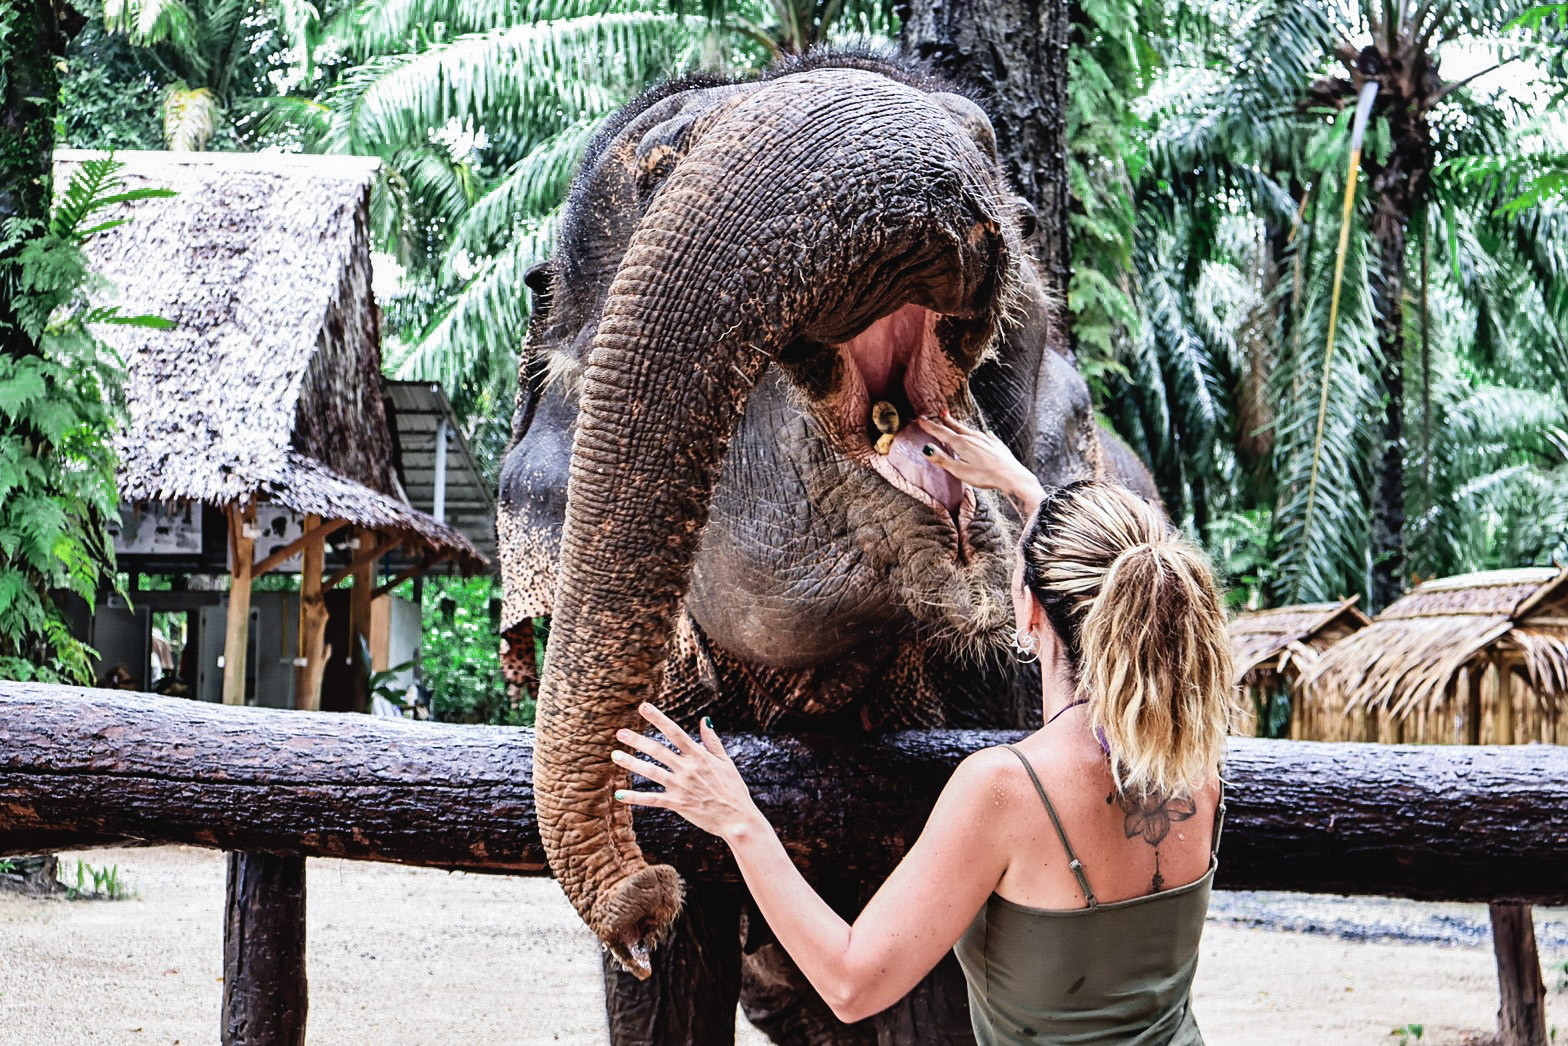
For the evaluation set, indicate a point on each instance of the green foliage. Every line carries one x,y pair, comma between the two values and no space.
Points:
59,408
110,97
94,883
1409,1033
1239,213
459,654
1110,64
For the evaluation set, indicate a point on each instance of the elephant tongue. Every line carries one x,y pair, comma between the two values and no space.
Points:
909,464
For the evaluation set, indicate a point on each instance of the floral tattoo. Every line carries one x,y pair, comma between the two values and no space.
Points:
1152,817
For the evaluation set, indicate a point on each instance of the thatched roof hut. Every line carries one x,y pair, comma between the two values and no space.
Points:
1476,659
268,389
269,386
1273,647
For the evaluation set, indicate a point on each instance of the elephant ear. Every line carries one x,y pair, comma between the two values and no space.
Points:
660,150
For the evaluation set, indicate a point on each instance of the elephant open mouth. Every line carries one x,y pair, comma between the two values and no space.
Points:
897,362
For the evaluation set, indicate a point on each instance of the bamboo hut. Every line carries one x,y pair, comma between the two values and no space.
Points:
1476,659
267,394
1273,647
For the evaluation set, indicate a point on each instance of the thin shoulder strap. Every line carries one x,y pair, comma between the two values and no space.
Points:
1219,823
1072,858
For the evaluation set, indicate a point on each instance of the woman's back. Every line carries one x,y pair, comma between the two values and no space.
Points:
1091,954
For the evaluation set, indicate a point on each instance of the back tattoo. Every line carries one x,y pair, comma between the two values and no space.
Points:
1151,816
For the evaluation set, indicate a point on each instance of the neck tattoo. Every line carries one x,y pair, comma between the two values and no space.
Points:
1073,704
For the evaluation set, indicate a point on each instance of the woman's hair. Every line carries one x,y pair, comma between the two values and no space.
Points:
1137,609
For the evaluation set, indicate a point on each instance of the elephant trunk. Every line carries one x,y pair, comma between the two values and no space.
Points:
802,213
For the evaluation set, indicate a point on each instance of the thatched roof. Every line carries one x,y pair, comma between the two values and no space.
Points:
1290,636
270,384
1409,658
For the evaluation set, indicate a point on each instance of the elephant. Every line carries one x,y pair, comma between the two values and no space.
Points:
715,486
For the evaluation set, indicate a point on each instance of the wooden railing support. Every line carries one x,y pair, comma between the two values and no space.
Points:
264,990
1521,1011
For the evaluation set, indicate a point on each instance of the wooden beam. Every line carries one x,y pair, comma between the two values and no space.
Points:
1433,822
425,563
236,636
359,610
264,988
312,621
359,561
316,533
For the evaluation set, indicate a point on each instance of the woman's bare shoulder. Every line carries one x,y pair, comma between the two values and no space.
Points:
991,777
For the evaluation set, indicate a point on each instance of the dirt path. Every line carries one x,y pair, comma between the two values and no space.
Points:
414,956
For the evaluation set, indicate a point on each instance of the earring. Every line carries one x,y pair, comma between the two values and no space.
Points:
1027,645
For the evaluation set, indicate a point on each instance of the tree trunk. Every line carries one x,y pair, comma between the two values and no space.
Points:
1015,53
1397,186
1473,823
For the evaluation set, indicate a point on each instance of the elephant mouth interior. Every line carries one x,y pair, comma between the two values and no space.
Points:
901,373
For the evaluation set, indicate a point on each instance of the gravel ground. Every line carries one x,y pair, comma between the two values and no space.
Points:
415,956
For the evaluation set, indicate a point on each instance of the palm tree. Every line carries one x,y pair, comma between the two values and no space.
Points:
217,59
1255,131
480,113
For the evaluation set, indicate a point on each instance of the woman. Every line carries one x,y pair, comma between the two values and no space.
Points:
1071,871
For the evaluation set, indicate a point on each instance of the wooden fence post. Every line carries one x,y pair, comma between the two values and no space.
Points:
264,994
1521,1011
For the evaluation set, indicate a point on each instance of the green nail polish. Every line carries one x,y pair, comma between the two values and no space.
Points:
707,722
620,793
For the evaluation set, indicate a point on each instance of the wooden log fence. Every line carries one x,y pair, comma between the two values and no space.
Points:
81,768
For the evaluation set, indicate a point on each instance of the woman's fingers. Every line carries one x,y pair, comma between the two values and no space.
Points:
666,726
710,738
641,767
646,745
633,798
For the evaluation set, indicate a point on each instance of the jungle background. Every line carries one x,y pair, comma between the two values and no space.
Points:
1208,145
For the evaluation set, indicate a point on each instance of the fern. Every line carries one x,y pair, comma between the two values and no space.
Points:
59,410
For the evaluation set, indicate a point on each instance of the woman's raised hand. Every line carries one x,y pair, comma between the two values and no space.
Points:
981,460
700,781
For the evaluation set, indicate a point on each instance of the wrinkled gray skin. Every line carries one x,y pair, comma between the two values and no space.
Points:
721,537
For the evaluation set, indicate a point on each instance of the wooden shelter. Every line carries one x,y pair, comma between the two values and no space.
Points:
268,390
1476,659
1480,659
1273,647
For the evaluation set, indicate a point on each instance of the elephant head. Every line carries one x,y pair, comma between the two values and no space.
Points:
774,269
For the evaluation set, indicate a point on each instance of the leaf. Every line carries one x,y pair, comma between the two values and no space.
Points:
21,384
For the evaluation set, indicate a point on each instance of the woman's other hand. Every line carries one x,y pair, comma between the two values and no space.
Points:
700,780
981,460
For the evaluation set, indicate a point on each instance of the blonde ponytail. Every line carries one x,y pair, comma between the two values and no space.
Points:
1143,622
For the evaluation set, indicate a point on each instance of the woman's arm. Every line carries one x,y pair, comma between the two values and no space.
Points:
981,460
914,919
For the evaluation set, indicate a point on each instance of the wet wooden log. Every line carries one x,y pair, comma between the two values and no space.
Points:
264,991
1473,823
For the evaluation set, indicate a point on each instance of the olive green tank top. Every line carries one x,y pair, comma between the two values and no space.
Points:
1107,974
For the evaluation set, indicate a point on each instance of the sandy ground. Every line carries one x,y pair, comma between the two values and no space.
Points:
415,956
